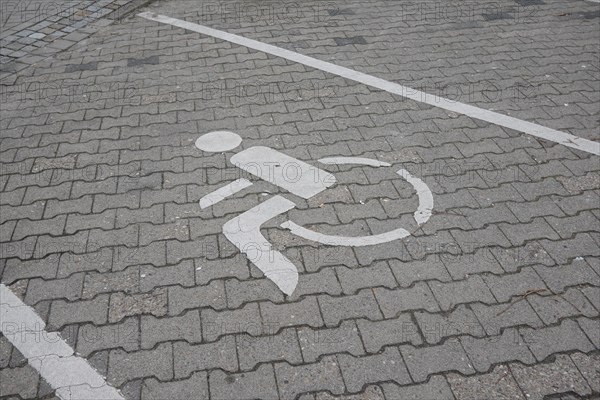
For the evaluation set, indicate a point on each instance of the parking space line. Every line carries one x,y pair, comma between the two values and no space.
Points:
492,117
71,376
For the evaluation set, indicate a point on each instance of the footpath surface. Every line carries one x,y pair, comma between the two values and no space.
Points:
476,274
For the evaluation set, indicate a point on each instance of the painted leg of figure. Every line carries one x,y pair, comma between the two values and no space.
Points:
244,232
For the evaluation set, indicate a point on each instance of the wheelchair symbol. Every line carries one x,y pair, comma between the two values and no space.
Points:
301,179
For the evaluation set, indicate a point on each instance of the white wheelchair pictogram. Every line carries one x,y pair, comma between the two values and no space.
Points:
243,231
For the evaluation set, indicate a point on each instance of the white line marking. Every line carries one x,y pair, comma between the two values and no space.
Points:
391,87
421,216
289,173
351,241
223,192
71,376
353,160
244,232
423,193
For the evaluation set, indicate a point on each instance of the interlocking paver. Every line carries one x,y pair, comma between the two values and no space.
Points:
422,362
156,330
336,309
316,342
323,375
360,371
102,231
195,386
460,321
564,337
497,384
538,381
259,383
125,366
394,302
282,346
189,358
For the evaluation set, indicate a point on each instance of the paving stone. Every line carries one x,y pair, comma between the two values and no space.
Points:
323,256
497,384
123,366
568,226
564,337
126,216
359,371
123,305
124,256
69,288
593,295
432,268
304,312
95,283
540,380
472,289
218,323
564,251
20,381
425,361
316,342
588,366
394,302
156,330
559,277
189,358
269,348
552,309
379,274
486,352
436,388
324,281
241,292
504,287
336,309
100,238
461,266
196,386
207,270
495,318
527,211
256,384
181,274
376,335
460,321
26,227
323,375
370,393
100,261
54,207
63,312
124,335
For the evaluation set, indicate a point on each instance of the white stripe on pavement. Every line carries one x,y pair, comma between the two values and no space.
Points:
492,117
72,377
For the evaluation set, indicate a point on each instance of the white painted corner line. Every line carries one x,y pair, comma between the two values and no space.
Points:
492,117
71,376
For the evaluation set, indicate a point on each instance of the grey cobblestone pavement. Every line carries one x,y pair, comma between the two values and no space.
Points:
496,296
31,30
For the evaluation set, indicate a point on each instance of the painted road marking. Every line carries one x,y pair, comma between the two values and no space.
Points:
421,216
224,192
269,164
288,173
218,141
353,160
71,376
492,117
244,232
